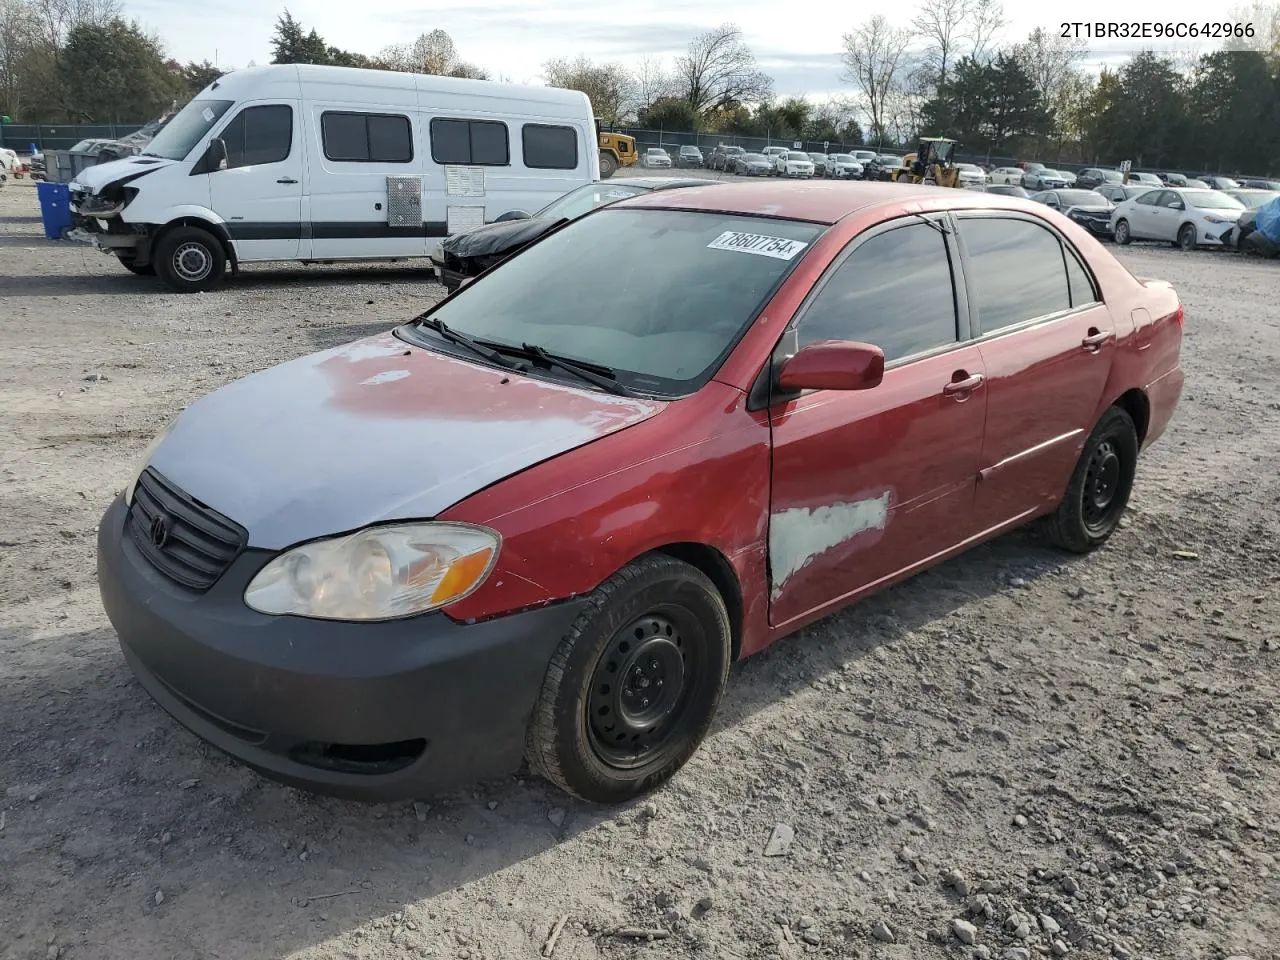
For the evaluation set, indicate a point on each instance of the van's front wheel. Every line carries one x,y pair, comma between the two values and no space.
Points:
190,260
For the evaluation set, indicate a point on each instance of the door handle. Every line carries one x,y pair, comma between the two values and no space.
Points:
286,180
963,386
1095,339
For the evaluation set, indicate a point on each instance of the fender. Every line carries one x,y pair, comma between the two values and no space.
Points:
195,215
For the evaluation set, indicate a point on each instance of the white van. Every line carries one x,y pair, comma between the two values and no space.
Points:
317,164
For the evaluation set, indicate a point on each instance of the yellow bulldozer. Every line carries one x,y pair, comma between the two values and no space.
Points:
616,150
932,163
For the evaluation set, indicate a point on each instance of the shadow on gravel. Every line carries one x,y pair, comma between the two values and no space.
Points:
8,219
109,800
26,240
48,285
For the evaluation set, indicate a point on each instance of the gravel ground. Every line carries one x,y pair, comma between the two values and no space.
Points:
1016,754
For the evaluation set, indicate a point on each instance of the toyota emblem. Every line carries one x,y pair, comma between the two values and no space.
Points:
159,530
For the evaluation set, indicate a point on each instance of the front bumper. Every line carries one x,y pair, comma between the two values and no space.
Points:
1099,228
449,277
374,711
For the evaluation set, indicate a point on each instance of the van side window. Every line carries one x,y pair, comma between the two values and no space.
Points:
549,148
474,142
259,135
366,137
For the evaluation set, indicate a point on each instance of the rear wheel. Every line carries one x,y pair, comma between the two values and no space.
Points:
1122,232
1187,237
608,165
190,260
1100,485
631,690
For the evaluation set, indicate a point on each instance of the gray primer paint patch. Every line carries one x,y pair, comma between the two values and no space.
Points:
798,535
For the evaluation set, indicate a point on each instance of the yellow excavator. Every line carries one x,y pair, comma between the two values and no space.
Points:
932,163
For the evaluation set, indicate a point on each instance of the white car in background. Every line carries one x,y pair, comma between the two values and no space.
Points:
1011,175
842,166
972,176
656,157
773,153
1179,215
793,163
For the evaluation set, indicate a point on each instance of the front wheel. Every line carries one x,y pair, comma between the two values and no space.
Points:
1100,486
190,260
608,165
631,690
1187,237
1122,232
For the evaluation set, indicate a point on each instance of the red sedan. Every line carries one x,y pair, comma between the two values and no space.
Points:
541,520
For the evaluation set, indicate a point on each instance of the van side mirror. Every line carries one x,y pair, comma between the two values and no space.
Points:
214,159
833,365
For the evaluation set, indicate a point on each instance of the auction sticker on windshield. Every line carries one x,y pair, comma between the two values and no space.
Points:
780,248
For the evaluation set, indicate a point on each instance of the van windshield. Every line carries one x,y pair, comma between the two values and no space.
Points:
186,129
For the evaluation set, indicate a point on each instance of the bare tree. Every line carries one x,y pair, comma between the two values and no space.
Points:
873,56
940,23
17,31
986,18
652,83
608,86
432,53
720,71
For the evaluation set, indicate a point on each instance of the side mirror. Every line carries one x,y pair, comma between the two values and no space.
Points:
218,153
514,215
833,365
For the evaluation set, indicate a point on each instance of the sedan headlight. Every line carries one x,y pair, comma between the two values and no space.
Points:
1213,218
143,460
379,573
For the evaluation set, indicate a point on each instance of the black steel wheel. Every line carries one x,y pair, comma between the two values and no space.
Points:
631,690
190,260
1100,485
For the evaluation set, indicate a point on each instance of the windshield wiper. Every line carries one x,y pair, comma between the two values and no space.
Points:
453,336
602,376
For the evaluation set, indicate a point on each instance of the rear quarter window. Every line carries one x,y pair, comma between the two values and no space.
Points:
549,147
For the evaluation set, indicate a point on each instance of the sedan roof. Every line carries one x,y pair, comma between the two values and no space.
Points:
819,201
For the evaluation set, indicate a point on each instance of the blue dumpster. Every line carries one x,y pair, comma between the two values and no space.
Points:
55,208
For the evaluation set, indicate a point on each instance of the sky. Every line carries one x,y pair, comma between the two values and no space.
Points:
798,45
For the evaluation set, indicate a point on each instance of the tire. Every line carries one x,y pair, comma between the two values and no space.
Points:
190,260
1122,235
142,270
1187,236
1100,486
670,616
608,165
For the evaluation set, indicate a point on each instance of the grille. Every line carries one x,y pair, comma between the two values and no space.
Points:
189,543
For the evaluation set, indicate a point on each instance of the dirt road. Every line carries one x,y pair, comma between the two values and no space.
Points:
1017,754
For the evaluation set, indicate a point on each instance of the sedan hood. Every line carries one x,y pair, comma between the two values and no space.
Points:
496,237
100,175
374,431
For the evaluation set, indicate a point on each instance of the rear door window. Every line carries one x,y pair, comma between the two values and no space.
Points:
893,291
1014,271
257,135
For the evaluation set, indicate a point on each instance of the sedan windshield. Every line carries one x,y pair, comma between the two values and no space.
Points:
186,129
585,199
755,158
1111,176
1081,198
681,286
1252,199
1211,200
844,158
